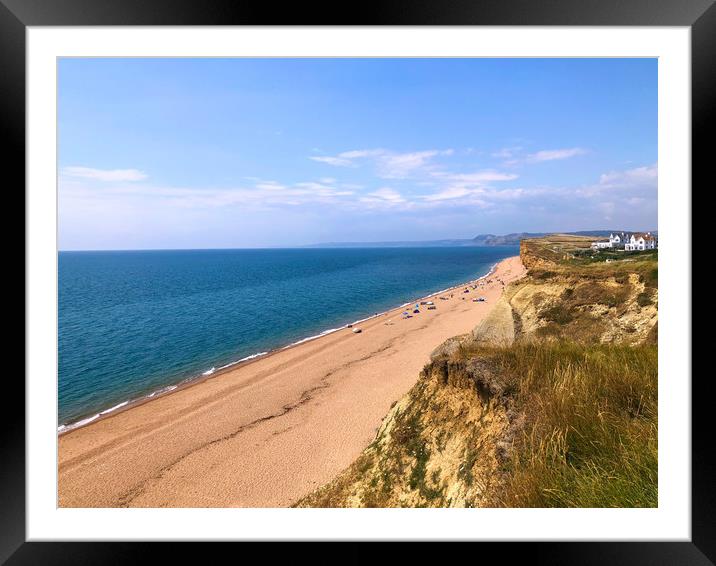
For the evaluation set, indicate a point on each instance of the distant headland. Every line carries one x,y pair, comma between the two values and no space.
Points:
480,240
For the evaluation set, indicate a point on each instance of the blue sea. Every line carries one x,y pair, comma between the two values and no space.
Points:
136,323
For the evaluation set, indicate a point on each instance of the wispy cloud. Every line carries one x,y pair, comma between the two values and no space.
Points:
639,176
506,152
612,196
389,164
554,154
487,196
401,165
476,178
361,153
259,194
638,182
383,197
450,193
348,158
516,155
422,169
462,186
105,174
335,161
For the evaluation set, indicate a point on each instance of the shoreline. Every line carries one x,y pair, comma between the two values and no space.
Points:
274,428
214,372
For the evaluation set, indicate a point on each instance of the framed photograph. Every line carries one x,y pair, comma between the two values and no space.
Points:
292,277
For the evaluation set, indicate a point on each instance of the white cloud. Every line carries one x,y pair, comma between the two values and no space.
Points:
449,193
335,161
639,176
486,195
421,185
270,186
384,197
311,188
261,194
105,174
347,158
389,164
401,165
361,153
554,154
467,185
630,183
478,177
388,194
506,152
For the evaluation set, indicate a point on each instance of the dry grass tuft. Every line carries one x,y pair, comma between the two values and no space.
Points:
590,433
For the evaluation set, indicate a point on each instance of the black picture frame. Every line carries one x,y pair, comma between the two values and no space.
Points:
17,15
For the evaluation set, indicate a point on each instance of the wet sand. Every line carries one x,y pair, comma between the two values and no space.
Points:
267,432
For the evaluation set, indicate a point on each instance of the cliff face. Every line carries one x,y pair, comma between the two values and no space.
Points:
434,449
576,338
570,293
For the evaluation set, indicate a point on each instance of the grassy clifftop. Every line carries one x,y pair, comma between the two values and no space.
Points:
552,401
574,293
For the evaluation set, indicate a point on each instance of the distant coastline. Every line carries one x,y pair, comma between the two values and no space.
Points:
486,240
511,239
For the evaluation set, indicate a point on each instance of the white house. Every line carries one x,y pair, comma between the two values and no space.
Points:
618,240
640,241
601,245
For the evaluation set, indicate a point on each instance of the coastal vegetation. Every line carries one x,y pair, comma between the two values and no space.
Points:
550,402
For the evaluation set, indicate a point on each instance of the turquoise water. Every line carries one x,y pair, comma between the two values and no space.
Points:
135,322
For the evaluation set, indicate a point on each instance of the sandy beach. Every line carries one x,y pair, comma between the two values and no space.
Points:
266,432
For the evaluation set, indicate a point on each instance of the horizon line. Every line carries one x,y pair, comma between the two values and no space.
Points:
329,244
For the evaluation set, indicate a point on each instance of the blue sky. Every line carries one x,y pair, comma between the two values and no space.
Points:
209,153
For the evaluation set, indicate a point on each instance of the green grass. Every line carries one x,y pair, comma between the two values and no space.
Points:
589,437
584,257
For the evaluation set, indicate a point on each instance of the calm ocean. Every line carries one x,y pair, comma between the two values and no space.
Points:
132,323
